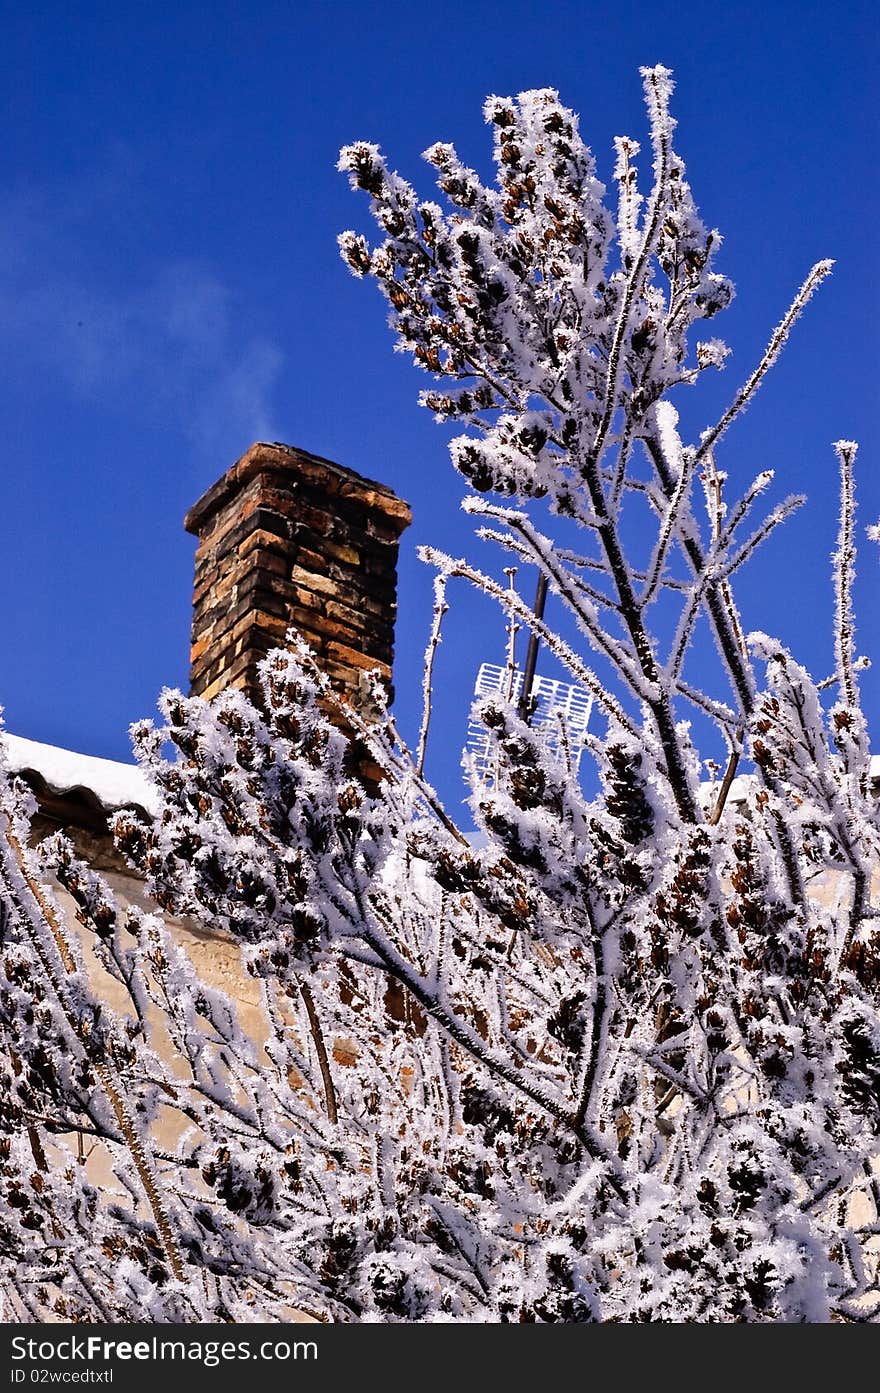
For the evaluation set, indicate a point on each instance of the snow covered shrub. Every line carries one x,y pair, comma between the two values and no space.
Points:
614,1059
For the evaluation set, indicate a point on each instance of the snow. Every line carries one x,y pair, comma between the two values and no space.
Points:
114,784
635,1073
118,785
739,789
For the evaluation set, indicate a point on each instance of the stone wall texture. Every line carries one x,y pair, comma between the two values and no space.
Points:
289,539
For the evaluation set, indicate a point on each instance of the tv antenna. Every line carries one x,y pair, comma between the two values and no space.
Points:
559,712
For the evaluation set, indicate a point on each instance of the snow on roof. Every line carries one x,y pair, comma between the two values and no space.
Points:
739,789
112,783
117,785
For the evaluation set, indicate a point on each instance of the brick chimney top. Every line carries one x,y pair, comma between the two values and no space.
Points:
288,539
332,478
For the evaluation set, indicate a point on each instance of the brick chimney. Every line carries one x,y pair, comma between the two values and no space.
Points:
287,538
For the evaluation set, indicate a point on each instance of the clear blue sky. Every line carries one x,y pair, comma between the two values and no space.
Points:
170,291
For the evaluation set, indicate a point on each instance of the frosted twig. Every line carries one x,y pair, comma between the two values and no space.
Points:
553,642
440,609
726,783
112,1088
512,631
321,1050
657,91
777,342
779,515
844,572
723,715
681,467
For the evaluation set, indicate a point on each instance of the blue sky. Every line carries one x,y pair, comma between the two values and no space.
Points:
170,291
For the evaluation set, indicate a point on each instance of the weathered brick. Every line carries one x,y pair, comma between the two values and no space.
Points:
325,585
312,561
349,555
301,595
348,614
312,519
353,657
268,543
344,632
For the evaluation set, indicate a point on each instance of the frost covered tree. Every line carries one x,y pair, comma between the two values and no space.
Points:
616,1058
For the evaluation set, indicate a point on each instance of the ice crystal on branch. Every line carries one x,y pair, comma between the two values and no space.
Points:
618,1056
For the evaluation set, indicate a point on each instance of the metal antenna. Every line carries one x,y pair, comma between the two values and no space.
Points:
532,651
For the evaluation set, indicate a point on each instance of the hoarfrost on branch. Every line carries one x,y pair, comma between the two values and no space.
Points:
617,1061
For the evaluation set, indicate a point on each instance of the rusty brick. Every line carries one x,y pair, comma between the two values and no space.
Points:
353,657
349,555
301,595
312,561
325,585
316,520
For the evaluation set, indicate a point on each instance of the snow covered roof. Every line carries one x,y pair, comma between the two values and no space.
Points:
740,787
106,782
